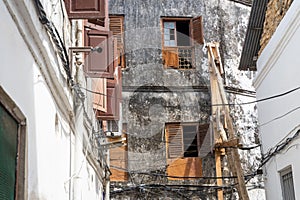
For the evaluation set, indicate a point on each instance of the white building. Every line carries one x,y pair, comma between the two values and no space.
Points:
277,75
48,131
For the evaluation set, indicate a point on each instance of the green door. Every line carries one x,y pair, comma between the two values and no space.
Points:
8,154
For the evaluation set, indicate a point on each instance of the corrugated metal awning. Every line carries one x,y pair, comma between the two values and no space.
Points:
253,35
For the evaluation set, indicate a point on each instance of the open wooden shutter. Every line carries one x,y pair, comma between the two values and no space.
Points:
174,141
117,28
113,92
99,64
197,30
99,100
85,9
170,57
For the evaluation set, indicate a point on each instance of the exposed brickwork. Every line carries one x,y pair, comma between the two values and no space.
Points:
275,12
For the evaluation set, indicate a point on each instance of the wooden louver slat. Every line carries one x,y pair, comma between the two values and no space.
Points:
174,140
116,27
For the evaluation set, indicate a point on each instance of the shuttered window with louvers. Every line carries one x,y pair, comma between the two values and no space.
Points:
8,154
184,140
174,140
116,26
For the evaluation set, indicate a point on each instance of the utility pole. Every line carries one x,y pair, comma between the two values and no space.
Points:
223,130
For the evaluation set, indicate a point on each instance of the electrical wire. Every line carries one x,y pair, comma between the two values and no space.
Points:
62,52
178,177
274,151
99,93
259,100
281,116
228,104
63,55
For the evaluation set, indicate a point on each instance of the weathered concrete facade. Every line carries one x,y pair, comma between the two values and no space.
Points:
153,95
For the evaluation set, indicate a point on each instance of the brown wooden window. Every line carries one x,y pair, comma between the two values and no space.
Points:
116,26
179,37
183,144
86,9
184,140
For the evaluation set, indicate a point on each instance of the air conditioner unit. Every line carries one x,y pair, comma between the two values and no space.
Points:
114,128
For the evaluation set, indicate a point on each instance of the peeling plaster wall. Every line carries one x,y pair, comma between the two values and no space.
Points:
153,95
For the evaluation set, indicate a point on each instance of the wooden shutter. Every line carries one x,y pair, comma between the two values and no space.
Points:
113,92
197,30
117,29
99,100
170,57
86,9
174,141
99,64
8,154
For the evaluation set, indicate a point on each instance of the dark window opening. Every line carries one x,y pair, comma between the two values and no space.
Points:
183,33
190,141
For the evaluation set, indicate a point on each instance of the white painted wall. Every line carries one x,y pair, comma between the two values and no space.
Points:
31,75
278,72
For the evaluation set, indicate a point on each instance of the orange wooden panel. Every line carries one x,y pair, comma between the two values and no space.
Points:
170,57
118,175
184,167
118,161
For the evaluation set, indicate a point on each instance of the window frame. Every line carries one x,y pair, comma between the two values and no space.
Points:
283,173
180,127
175,34
21,171
175,19
171,54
